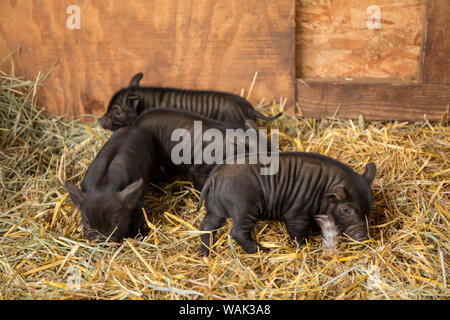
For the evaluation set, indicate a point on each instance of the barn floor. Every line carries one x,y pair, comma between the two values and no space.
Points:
42,254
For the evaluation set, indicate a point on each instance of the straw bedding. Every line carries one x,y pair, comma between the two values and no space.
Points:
43,256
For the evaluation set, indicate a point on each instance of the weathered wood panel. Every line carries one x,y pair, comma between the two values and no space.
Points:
436,47
333,39
201,44
378,101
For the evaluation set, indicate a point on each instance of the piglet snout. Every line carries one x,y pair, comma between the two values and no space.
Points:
97,238
358,233
105,122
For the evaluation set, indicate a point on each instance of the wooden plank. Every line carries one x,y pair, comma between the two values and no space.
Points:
377,101
197,44
333,40
436,47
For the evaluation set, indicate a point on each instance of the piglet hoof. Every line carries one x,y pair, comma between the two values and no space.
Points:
298,243
255,249
250,248
204,251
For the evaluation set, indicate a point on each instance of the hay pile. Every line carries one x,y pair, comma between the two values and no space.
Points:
42,254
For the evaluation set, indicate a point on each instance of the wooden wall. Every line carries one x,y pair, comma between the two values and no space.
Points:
333,40
436,47
318,54
400,71
200,44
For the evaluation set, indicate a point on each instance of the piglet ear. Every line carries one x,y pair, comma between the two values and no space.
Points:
134,82
370,172
133,102
75,194
337,192
131,195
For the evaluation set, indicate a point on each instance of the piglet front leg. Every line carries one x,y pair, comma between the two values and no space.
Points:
329,231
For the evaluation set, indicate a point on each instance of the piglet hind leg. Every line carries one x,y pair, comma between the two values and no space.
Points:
209,223
242,233
329,230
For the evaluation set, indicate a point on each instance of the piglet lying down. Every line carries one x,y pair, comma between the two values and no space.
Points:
128,103
307,187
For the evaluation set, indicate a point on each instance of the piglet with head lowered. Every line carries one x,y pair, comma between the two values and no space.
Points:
115,182
111,195
306,187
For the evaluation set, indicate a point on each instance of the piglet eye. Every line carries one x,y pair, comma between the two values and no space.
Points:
346,209
118,112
